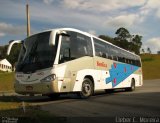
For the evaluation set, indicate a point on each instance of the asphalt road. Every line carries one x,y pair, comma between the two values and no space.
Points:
143,102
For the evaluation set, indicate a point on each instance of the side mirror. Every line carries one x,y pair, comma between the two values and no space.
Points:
11,44
52,38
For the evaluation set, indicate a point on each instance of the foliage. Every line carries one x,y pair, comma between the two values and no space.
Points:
143,51
107,38
13,57
125,40
122,34
149,50
3,50
150,66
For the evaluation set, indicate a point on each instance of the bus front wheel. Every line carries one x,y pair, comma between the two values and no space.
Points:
87,89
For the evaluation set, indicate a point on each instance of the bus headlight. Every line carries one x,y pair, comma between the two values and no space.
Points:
49,78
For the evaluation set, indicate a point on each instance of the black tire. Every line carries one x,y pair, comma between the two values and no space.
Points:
54,95
87,89
133,87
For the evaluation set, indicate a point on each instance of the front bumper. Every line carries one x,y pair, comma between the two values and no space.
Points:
37,88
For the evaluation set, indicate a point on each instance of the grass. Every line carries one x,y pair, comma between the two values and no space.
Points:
6,81
12,107
9,102
31,115
151,66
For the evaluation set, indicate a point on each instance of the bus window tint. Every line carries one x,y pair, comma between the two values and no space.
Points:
78,45
100,48
81,47
105,50
65,46
112,52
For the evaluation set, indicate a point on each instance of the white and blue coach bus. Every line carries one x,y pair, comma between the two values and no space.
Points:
66,60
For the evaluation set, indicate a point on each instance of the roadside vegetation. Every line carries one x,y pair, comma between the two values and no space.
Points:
151,66
12,107
6,81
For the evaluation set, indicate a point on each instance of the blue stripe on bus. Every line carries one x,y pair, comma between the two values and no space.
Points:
120,72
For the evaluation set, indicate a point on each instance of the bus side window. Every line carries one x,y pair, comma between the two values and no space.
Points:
107,51
82,46
115,58
106,55
65,50
75,46
137,63
100,54
103,55
99,48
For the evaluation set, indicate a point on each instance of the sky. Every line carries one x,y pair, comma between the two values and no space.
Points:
98,17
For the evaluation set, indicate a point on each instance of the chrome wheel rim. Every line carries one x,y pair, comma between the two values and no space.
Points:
86,89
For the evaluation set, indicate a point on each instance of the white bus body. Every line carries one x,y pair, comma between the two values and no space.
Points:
68,60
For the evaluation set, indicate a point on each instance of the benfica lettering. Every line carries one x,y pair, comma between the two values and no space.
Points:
101,64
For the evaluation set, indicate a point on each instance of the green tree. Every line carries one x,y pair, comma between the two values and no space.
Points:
13,57
149,50
127,41
143,51
107,38
3,51
135,44
122,34
122,38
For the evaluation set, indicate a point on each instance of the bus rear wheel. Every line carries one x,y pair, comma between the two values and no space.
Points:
87,89
133,87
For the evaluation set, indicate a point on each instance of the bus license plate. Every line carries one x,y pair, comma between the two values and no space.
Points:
29,88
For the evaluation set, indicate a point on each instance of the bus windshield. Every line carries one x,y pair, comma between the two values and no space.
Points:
36,53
